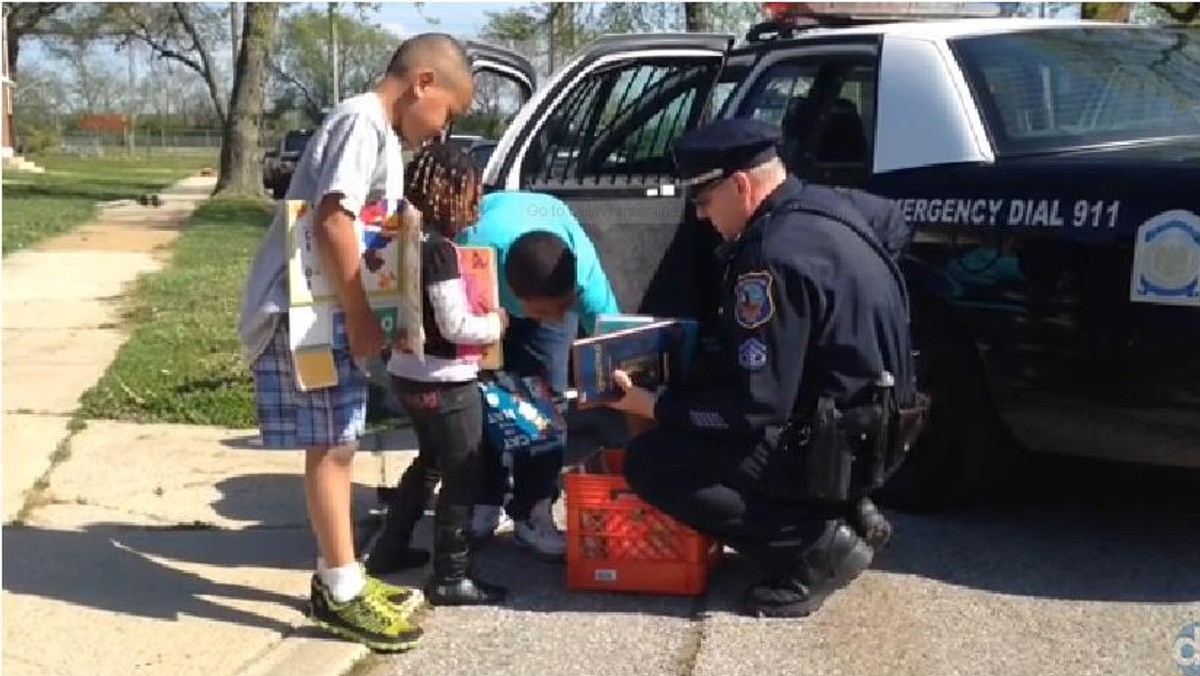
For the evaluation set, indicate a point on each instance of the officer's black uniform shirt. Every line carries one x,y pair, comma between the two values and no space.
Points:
808,309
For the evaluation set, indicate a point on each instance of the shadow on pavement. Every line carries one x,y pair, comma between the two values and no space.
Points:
112,568
143,570
541,587
1065,528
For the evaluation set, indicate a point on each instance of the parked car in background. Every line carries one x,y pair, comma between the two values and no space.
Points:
481,151
280,163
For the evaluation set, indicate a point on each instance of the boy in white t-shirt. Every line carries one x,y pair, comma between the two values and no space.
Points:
352,160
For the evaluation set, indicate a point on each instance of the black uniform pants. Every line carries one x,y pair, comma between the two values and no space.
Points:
701,482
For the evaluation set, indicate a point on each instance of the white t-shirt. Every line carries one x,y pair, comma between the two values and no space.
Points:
355,153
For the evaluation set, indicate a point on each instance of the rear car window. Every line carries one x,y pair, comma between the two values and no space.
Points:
1051,90
295,142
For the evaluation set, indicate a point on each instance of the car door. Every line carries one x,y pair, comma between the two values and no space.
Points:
821,93
504,81
506,63
599,137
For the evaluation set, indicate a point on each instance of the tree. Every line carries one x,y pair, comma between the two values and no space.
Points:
302,67
696,19
187,33
1179,12
239,169
26,19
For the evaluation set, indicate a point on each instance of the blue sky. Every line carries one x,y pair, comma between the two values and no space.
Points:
456,18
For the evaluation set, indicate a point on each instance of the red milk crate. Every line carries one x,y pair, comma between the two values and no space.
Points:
617,542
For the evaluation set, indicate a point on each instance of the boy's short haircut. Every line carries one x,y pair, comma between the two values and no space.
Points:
540,265
438,51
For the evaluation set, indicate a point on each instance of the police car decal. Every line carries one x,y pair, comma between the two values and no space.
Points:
752,354
752,297
1166,260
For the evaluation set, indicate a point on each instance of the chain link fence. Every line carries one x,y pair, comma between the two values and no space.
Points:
103,143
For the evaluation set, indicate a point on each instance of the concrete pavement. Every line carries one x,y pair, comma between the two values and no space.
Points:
61,322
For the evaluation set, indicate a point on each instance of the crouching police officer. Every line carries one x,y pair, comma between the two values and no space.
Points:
809,403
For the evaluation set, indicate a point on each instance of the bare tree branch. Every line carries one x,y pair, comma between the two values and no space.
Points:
205,58
314,107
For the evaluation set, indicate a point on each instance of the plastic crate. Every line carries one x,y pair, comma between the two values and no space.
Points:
618,542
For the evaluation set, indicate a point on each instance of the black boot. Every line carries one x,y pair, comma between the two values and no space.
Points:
452,583
406,507
798,588
870,523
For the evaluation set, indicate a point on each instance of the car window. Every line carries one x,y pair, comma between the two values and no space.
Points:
782,86
1057,89
825,109
619,123
294,142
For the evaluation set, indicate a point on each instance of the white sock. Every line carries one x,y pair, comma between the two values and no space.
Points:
344,582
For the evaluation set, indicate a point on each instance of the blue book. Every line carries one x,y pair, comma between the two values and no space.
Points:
611,323
521,415
653,353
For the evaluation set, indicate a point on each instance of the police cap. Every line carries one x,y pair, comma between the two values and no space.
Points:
721,148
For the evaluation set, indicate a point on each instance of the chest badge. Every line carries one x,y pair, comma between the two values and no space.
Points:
752,303
752,354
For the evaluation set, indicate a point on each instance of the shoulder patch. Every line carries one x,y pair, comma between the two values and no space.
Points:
752,354
753,305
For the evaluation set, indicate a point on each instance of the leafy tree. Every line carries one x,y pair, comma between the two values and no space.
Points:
27,19
302,66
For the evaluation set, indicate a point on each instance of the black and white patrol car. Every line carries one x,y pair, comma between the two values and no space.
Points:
1051,170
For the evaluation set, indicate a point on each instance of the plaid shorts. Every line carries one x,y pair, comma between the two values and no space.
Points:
290,418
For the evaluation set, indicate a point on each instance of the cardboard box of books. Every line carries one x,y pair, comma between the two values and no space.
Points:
389,235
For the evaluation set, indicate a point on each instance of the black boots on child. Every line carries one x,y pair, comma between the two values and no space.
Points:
451,583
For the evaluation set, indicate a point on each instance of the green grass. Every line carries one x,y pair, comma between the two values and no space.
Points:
37,206
182,363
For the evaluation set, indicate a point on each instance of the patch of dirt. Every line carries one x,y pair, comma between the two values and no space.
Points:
155,232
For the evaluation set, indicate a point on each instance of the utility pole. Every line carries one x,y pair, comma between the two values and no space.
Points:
333,54
131,118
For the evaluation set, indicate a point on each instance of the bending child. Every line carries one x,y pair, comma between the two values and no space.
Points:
441,394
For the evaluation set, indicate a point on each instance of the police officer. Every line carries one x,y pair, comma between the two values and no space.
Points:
812,310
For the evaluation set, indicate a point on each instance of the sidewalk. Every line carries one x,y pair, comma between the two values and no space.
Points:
153,549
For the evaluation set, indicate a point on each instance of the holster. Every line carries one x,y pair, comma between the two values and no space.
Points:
838,456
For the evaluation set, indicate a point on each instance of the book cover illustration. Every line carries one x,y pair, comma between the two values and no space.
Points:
477,265
610,323
652,354
520,414
389,239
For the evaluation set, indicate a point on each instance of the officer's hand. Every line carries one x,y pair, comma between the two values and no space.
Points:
637,401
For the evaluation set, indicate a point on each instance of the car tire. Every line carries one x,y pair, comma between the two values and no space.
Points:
963,452
279,190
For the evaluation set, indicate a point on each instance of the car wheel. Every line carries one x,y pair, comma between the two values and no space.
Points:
279,191
962,452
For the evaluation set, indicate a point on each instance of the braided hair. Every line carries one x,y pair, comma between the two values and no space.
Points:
442,183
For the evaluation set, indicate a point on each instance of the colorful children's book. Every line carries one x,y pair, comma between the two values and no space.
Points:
652,353
478,267
389,234
520,414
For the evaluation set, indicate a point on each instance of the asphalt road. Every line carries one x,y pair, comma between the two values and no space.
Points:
1098,577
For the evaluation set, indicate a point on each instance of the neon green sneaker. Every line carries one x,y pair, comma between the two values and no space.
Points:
368,618
406,599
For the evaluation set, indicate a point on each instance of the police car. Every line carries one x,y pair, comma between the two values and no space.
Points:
1051,171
